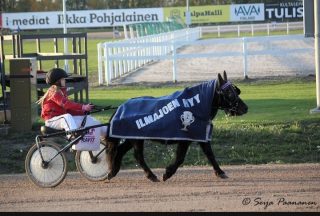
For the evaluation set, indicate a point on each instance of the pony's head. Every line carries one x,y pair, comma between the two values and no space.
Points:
228,97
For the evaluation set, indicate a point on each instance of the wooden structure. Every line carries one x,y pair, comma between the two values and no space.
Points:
77,82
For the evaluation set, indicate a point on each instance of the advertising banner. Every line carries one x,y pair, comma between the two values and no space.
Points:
120,17
284,10
247,12
81,19
200,14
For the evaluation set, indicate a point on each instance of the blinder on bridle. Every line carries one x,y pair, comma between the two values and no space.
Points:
229,97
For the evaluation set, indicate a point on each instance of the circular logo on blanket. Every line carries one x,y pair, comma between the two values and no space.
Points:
187,119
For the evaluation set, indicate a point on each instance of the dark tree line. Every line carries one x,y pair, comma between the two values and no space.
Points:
54,5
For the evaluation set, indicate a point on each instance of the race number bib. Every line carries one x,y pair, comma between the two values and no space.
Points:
90,141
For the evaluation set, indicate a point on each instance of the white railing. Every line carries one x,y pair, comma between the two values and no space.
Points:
116,59
136,54
253,29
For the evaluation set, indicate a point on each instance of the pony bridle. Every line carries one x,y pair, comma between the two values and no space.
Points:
230,103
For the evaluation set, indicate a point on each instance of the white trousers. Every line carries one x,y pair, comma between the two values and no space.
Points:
69,122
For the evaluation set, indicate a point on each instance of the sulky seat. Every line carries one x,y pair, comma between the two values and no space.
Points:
48,130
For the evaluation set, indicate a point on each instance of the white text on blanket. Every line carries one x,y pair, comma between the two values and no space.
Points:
149,119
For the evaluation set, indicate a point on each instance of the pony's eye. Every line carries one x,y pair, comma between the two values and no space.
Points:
231,94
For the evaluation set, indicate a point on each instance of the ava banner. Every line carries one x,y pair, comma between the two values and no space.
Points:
247,12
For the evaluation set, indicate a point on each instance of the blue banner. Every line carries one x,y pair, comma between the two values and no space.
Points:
183,115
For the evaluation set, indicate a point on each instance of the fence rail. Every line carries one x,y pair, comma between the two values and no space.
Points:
253,28
118,58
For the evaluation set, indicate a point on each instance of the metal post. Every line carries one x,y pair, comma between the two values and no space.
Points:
66,64
107,64
125,32
244,52
316,54
131,32
252,31
100,64
3,86
174,62
188,15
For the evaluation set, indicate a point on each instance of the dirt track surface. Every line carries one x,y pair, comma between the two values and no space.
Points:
249,188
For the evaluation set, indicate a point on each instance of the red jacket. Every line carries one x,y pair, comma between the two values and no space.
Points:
57,103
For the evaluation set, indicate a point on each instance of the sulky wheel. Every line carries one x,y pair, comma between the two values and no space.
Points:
92,164
42,172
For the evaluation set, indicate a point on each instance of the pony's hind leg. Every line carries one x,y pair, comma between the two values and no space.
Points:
111,152
121,151
181,152
207,150
138,154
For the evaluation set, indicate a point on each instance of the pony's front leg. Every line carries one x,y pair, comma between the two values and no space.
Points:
180,155
138,154
207,150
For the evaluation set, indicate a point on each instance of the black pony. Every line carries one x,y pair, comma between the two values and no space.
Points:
225,97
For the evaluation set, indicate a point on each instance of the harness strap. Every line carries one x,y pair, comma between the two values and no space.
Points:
226,85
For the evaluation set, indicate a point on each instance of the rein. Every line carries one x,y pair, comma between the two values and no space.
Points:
96,110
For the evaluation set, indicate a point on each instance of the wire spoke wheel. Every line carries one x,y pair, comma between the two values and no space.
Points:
43,173
93,169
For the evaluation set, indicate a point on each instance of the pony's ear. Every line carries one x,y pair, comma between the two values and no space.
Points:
225,75
220,80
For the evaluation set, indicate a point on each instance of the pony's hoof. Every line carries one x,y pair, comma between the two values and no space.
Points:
153,178
165,177
109,176
222,175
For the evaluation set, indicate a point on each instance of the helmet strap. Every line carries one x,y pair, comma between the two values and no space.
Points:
58,83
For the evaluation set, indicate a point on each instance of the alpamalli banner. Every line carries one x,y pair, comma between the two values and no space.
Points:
200,14
284,10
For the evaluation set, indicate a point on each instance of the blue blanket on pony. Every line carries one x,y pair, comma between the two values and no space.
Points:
183,115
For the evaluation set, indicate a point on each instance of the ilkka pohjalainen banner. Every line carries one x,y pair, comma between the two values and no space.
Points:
80,19
183,115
